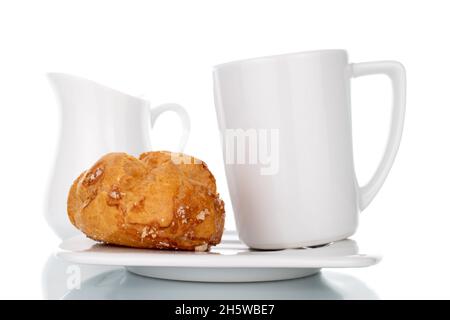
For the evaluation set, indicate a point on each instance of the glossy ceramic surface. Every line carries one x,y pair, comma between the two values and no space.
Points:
312,196
231,261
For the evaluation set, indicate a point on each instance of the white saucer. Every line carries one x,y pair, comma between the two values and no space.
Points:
231,261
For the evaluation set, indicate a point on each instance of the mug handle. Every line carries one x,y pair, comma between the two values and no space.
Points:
184,117
397,74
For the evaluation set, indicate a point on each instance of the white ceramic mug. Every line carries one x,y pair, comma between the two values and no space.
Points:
96,120
303,98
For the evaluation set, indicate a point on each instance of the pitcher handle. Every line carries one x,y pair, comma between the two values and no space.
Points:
184,117
397,74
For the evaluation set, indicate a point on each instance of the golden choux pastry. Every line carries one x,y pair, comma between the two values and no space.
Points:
161,200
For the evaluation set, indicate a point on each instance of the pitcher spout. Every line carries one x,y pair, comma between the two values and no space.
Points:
76,93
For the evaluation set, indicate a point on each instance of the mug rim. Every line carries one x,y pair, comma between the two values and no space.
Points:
276,56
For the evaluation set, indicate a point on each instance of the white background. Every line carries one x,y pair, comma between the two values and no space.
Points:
166,50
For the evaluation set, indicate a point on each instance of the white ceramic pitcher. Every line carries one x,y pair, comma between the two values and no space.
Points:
96,120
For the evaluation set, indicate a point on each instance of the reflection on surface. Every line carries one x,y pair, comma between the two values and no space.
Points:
56,273
99,282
